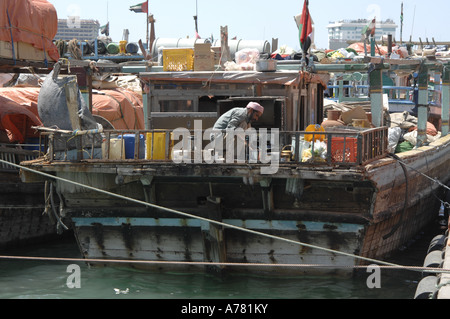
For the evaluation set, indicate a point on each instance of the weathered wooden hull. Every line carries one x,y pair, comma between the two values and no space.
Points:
367,211
189,241
407,195
22,218
24,225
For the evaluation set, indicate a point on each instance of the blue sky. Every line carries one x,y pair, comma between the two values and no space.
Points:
258,20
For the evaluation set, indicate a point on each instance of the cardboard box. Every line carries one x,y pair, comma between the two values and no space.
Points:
6,50
28,52
217,54
203,57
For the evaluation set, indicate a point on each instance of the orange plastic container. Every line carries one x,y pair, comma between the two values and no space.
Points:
347,155
314,128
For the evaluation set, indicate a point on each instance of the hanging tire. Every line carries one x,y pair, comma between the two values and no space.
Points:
433,260
437,243
427,288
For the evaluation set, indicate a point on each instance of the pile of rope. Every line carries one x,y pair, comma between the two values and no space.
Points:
74,50
71,47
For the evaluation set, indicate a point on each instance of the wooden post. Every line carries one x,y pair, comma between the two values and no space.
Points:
214,248
71,89
376,96
89,83
274,44
445,107
267,196
226,56
422,109
72,103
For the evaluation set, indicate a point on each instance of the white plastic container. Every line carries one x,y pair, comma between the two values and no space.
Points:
116,149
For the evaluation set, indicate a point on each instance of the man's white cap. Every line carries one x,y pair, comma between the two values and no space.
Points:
255,106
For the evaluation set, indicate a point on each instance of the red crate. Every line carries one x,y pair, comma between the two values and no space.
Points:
351,149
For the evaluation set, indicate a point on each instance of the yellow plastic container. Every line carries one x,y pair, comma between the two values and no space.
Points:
178,60
123,47
155,144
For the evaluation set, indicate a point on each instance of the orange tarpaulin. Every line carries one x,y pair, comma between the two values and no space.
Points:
30,21
359,47
18,110
123,108
18,113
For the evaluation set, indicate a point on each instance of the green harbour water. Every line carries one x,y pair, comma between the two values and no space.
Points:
43,279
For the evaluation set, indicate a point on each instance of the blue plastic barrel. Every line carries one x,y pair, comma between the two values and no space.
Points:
132,48
32,144
129,141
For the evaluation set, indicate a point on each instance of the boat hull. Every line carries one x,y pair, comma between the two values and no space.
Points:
22,218
188,244
315,219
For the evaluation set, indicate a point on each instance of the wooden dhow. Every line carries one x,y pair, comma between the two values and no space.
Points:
175,205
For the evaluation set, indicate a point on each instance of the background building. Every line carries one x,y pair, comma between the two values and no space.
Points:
340,32
76,28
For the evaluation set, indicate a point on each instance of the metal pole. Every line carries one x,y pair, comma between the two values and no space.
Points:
422,109
376,96
445,101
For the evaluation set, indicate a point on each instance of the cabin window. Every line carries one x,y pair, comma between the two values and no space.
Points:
177,106
209,103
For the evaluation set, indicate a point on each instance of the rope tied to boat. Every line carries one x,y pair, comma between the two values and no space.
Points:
370,260
434,180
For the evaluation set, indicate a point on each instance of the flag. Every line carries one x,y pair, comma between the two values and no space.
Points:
401,15
105,29
140,8
369,29
305,27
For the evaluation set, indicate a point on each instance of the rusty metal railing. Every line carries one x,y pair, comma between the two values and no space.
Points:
340,147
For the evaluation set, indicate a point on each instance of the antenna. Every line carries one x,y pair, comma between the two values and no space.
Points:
414,18
401,25
196,16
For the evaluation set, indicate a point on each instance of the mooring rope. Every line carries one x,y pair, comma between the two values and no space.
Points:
208,263
417,171
371,260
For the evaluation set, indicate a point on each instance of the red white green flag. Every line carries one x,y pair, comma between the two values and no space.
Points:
141,7
370,28
305,27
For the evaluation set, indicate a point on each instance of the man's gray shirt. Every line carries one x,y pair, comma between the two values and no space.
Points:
234,118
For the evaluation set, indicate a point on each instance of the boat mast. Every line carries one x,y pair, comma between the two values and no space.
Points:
196,18
148,35
401,25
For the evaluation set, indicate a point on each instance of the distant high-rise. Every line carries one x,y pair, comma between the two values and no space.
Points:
76,28
340,32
